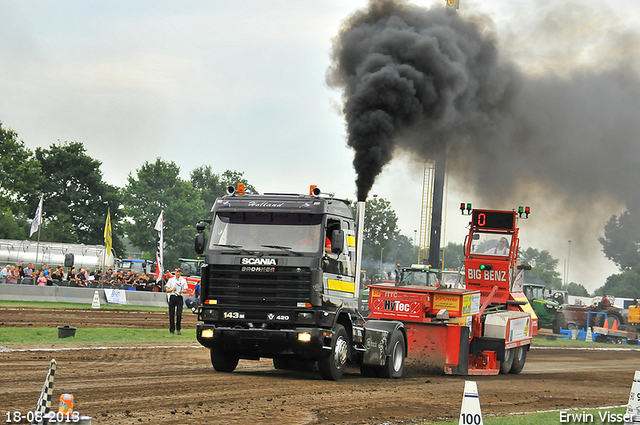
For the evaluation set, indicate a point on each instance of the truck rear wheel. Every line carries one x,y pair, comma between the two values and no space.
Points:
519,358
507,362
223,361
395,362
332,366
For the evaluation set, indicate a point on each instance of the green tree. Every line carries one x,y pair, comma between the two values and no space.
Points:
157,187
621,240
577,290
453,256
540,259
76,199
620,244
12,227
401,250
543,267
380,227
212,186
625,284
382,238
20,176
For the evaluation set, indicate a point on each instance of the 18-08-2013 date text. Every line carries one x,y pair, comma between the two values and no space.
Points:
18,417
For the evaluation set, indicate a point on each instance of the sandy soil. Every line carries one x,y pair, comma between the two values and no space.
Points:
175,384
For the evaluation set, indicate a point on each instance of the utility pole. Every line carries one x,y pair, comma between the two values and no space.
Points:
433,258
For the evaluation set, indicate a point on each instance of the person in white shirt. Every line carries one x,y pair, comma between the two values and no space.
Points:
176,286
501,249
5,272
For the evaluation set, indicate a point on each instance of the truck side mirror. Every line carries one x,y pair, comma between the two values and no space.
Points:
337,241
524,266
199,243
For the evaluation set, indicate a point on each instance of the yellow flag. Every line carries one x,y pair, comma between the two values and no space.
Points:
107,233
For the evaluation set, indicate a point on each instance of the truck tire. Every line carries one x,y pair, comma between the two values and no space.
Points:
519,358
332,367
559,323
395,362
507,363
223,361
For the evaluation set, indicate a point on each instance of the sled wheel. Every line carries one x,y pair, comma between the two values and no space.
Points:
507,362
519,358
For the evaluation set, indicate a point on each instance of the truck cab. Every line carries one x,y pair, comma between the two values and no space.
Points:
270,289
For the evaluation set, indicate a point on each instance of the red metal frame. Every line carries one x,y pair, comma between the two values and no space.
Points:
440,342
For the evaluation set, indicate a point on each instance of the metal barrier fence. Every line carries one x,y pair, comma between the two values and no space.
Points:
91,284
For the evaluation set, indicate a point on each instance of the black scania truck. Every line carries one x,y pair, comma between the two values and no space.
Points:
281,280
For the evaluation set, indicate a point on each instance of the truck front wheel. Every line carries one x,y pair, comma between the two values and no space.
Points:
332,366
223,361
395,362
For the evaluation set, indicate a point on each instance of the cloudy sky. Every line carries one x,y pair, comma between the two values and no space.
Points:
242,85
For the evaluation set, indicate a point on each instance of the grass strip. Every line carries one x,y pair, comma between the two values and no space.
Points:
100,336
75,306
612,415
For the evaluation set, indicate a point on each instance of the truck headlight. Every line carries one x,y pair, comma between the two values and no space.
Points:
304,337
209,314
207,333
304,317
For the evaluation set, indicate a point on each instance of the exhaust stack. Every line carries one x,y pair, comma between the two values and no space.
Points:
359,237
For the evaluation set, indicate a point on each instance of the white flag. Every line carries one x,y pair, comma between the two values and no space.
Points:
160,242
37,220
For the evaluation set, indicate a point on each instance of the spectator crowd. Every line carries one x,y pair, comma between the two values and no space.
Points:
83,277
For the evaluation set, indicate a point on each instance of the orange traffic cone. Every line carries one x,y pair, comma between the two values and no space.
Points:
606,324
614,327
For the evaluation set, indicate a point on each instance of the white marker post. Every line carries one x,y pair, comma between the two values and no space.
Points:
96,300
633,408
470,413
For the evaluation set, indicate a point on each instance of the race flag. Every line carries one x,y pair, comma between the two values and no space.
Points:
159,244
108,240
37,220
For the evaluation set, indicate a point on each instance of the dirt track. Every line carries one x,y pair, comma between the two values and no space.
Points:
175,384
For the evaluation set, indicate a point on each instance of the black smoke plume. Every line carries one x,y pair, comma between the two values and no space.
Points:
423,81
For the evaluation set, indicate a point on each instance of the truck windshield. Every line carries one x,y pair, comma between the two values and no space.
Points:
299,232
419,277
488,243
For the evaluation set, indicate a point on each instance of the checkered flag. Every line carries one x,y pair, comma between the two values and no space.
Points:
44,402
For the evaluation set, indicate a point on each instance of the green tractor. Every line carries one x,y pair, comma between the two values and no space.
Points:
544,304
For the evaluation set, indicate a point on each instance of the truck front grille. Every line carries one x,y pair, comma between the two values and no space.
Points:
283,287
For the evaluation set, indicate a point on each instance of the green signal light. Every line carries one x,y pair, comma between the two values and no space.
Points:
482,267
520,210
